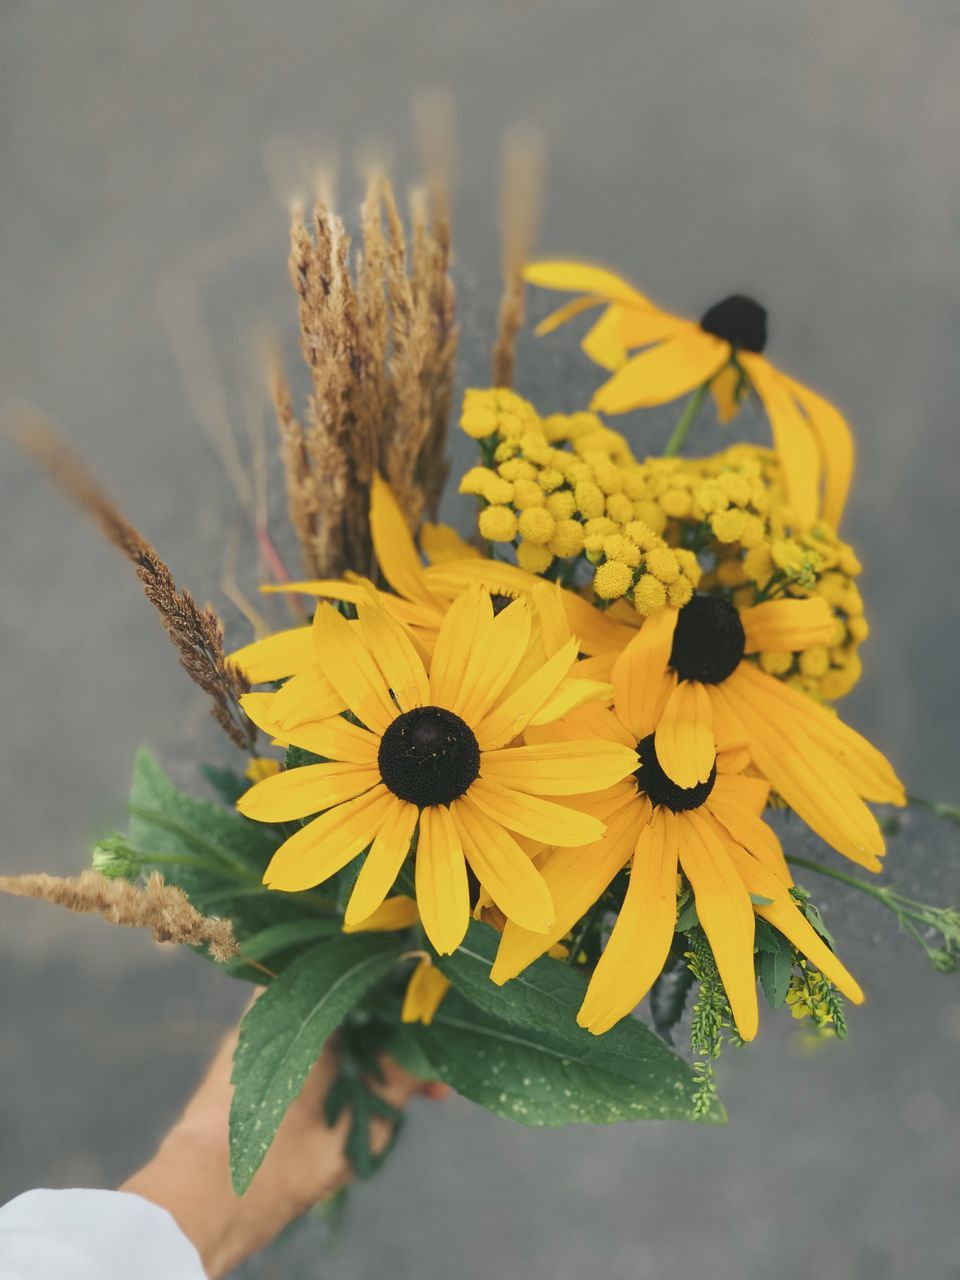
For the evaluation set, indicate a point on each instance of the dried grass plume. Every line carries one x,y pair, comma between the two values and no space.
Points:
521,196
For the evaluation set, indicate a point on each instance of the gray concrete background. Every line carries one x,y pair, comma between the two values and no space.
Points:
805,153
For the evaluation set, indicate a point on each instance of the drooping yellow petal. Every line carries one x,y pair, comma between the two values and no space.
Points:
835,442
811,783
726,913
577,277
382,864
784,914
569,695
603,342
569,311
443,895
684,741
298,793
326,588
515,711
663,373
399,912
560,768
395,655
747,829
441,543
325,845
638,946
639,673
350,668
867,769
640,327
531,816
792,437
425,991
276,657
576,878
305,698
724,388
787,625
501,866
394,547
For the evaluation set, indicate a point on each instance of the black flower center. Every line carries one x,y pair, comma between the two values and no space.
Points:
738,320
708,643
661,789
428,756
500,602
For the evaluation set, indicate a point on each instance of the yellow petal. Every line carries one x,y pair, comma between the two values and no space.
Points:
571,694
603,343
639,673
577,277
724,388
425,991
787,625
395,655
782,912
278,656
394,914
443,896
464,627
325,845
569,311
835,442
749,792
552,616
382,864
441,543
684,742
725,911
640,327
592,720
258,708
746,829
792,437
502,867
394,547
326,588
559,768
495,655
338,739
527,815
350,668
638,946
597,632
305,698
298,793
663,373
518,708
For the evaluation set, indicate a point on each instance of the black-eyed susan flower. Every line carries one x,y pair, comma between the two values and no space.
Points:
427,761
722,350
698,659
711,830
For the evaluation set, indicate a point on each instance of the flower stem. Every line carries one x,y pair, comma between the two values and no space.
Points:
687,419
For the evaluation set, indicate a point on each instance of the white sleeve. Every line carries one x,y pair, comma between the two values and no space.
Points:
92,1235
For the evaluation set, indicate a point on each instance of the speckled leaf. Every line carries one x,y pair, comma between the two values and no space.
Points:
283,1034
538,1079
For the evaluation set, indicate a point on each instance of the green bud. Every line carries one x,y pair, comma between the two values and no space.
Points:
116,859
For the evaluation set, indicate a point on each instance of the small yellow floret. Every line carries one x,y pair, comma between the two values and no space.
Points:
527,493
649,595
478,422
498,524
727,525
815,661
612,580
619,508
567,538
662,563
536,524
776,663
677,503
533,558
561,505
652,515
590,500
680,592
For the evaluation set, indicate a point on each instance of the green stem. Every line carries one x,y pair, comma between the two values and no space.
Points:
875,891
687,419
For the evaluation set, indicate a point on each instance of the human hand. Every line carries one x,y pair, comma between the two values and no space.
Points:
190,1174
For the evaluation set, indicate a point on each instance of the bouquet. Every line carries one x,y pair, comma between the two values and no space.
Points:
496,791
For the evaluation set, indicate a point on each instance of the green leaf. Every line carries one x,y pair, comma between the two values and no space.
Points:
688,918
668,997
283,1034
227,783
628,1073
277,939
538,1079
759,900
767,938
776,968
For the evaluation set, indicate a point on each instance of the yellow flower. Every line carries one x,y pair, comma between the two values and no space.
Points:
722,349
711,829
260,768
823,769
428,750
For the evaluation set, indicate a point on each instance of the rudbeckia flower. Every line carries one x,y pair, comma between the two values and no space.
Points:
723,349
697,658
426,761
711,830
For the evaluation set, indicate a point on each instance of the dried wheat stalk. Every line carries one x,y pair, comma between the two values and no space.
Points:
196,633
521,191
161,907
378,335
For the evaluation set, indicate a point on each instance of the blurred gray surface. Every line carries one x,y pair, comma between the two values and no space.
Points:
803,153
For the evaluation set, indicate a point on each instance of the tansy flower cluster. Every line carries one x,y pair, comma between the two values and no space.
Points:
567,486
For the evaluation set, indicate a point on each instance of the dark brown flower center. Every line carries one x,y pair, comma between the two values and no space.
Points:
663,790
738,320
709,641
428,756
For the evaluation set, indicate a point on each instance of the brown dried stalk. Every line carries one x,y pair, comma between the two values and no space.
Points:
379,339
521,192
161,907
196,633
